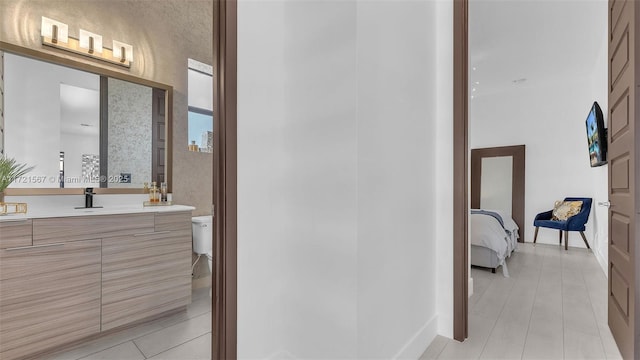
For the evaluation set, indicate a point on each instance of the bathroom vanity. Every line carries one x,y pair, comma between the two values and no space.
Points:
72,274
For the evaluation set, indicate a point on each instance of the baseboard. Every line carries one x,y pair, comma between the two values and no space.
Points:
282,354
420,341
602,261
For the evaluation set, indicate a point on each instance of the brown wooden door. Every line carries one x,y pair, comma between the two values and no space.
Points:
623,74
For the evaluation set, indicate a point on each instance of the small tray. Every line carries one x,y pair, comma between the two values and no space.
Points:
12,208
159,203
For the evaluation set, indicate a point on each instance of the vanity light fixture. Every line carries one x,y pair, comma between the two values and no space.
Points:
90,42
123,52
56,34
56,31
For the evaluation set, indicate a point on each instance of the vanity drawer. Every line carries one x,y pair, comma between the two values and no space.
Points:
173,221
15,233
57,230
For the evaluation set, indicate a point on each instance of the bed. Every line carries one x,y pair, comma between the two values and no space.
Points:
494,237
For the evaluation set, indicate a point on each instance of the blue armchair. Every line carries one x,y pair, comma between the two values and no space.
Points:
574,223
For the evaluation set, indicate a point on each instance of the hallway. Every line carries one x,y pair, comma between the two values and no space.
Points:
554,306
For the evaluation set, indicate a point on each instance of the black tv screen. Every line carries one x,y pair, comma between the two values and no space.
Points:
596,136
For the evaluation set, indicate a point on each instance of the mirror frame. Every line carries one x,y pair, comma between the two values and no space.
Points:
517,179
79,65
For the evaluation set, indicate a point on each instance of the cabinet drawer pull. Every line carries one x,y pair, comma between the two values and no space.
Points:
153,233
34,247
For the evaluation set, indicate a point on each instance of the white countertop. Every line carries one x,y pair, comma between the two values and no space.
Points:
67,211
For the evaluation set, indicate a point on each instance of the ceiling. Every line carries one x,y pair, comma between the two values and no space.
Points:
542,41
79,110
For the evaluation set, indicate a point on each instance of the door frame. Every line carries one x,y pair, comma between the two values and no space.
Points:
460,170
225,167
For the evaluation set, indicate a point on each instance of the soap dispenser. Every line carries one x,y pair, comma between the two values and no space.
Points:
154,195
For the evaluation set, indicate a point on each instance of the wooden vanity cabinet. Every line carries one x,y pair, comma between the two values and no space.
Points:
49,295
64,279
15,233
146,274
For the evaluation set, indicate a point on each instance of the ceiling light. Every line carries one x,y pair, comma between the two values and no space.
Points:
477,82
474,89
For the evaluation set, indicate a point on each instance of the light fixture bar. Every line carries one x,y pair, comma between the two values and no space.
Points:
56,35
73,45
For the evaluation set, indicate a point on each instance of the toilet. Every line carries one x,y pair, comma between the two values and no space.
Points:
202,237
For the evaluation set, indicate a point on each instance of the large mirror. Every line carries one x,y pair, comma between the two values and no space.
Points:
82,128
497,181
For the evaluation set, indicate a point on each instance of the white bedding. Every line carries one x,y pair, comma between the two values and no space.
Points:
486,231
512,228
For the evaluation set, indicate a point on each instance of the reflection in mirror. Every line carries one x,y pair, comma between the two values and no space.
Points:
45,108
496,183
130,128
79,136
200,99
81,129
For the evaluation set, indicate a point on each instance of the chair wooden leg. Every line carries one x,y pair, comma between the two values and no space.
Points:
585,239
566,240
560,237
535,235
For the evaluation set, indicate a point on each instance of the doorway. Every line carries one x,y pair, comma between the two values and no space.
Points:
461,161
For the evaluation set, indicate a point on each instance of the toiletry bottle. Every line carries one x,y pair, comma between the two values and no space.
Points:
153,192
163,192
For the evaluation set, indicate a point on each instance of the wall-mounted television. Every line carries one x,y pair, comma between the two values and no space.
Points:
596,136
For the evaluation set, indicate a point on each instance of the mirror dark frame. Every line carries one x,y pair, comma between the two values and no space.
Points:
517,180
103,72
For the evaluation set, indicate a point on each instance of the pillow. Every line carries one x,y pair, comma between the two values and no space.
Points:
562,210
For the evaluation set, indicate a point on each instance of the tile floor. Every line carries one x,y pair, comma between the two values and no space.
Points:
182,336
554,306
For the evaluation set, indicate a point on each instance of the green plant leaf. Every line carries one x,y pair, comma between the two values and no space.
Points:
10,170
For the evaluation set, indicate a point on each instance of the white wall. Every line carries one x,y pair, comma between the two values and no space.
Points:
600,181
396,182
336,220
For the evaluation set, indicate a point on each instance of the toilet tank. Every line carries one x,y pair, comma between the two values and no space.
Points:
202,234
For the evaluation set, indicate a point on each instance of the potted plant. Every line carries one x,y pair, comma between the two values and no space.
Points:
10,170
